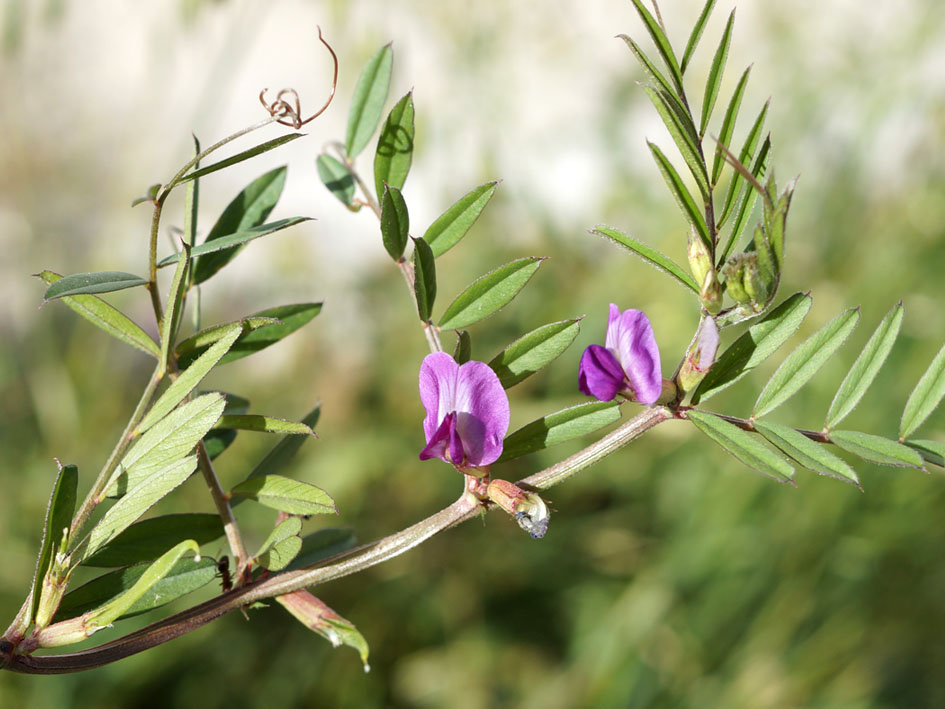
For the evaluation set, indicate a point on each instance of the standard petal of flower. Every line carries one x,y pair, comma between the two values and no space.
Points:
631,335
482,408
438,374
600,374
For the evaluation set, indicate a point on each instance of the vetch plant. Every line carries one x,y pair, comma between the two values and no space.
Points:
735,260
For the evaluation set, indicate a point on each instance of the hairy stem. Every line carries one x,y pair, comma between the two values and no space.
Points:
220,501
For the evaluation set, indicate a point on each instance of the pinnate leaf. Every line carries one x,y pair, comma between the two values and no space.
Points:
743,446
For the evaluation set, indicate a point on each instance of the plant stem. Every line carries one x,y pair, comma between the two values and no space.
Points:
230,528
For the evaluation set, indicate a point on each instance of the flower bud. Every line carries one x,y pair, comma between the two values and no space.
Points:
528,509
701,355
700,260
745,282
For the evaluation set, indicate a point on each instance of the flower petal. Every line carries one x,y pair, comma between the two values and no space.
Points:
438,374
436,447
482,409
600,374
630,335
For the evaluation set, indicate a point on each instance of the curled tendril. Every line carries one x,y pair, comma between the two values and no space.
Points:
287,106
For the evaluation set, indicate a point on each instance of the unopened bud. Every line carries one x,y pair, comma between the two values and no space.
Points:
701,355
744,280
528,509
700,260
711,294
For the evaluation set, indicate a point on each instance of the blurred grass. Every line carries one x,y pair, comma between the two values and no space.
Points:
671,576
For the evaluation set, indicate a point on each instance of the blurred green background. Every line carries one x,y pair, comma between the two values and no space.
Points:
671,575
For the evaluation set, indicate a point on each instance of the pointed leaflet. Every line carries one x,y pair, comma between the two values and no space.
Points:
367,104
395,222
249,209
108,318
86,283
217,440
743,446
462,353
185,576
745,157
662,44
877,449
240,157
137,501
317,616
175,305
559,427
728,128
452,225
761,340
866,367
532,351
337,178
395,147
803,362
683,133
286,495
931,451
231,244
655,75
489,293
715,75
187,380
695,35
289,319
685,201
424,278
808,453
148,539
647,253
281,546
117,607
264,424
925,397
59,513
167,441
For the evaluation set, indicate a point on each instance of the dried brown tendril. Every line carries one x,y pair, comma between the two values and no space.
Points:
287,105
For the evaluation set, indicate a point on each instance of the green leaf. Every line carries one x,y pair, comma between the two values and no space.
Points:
175,304
866,367
286,495
188,380
317,616
695,35
489,293
367,104
745,203
424,278
233,241
744,157
265,424
185,576
925,397
655,76
119,606
647,253
395,222
685,201
714,79
192,202
284,451
281,546
395,147
59,513
877,449
804,361
761,340
662,44
452,225
532,351
462,353
215,442
149,196
85,283
106,317
166,442
148,539
683,133
137,501
274,324
931,451
240,157
337,178
811,455
321,545
725,135
559,427
743,446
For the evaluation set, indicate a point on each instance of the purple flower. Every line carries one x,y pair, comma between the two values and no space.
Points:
629,362
467,411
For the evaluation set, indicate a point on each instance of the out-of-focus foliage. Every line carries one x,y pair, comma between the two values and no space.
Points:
670,575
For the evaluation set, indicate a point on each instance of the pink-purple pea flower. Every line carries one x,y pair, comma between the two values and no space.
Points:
467,411
629,362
